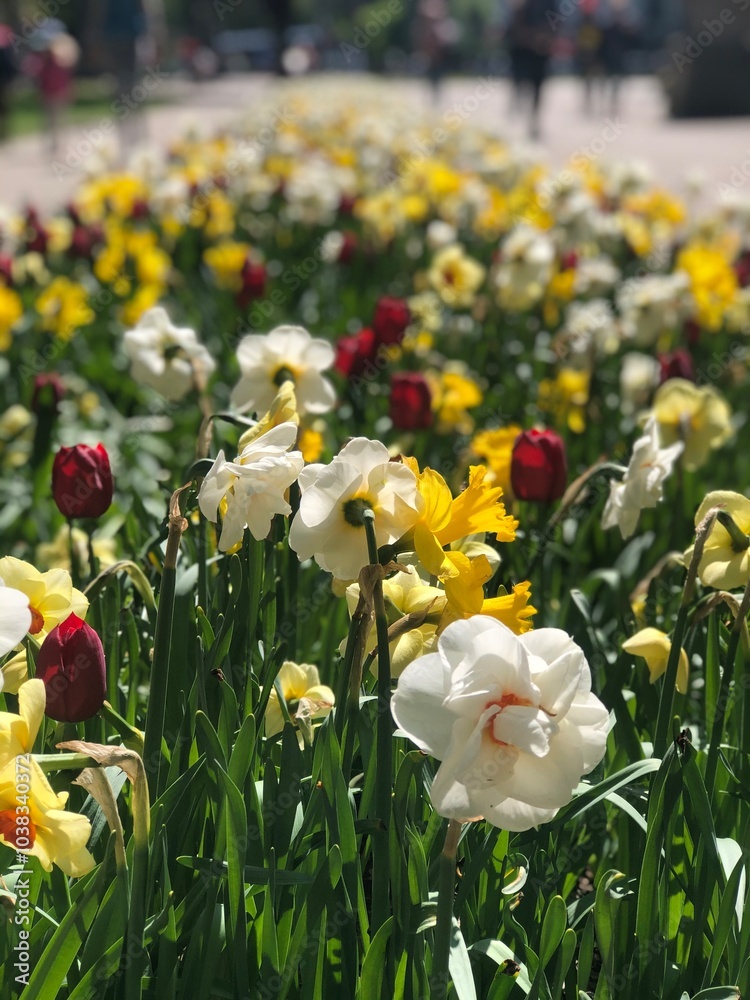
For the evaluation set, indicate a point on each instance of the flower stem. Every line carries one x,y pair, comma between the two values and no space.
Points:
569,498
446,890
162,645
383,742
666,702
722,702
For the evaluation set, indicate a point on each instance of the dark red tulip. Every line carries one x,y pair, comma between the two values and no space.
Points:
538,467
71,664
82,483
410,402
348,247
347,203
253,283
569,260
47,392
140,209
83,241
36,236
392,316
354,354
742,269
6,269
677,364
692,332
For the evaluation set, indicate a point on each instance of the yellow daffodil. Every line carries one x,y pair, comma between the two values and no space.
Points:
513,610
455,276
495,447
310,443
52,598
18,732
225,262
145,298
726,554
655,646
444,520
697,415
56,554
713,282
306,698
454,393
11,310
33,819
566,397
64,307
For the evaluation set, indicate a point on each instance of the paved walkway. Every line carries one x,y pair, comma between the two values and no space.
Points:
715,149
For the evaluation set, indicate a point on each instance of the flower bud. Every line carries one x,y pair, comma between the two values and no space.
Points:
71,664
253,279
410,402
82,482
538,467
47,393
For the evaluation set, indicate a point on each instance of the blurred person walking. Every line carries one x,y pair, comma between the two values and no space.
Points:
51,65
434,33
529,41
618,36
125,24
8,71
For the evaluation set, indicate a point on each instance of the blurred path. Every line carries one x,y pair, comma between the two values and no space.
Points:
716,148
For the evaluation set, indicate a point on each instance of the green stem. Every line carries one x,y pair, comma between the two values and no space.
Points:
722,701
666,702
152,755
446,889
383,742
74,569
569,498
254,587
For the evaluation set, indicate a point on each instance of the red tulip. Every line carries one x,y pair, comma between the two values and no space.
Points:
678,364
392,316
410,402
253,283
538,467
71,664
82,483
353,354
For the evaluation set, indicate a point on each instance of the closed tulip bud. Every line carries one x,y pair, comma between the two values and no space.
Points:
538,467
410,402
82,482
71,664
392,316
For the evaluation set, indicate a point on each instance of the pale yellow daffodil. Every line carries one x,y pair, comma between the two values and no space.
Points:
33,819
655,646
725,563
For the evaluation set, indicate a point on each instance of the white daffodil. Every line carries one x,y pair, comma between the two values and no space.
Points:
639,376
512,718
652,305
250,490
641,487
287,353
165,357
15,620
329,525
